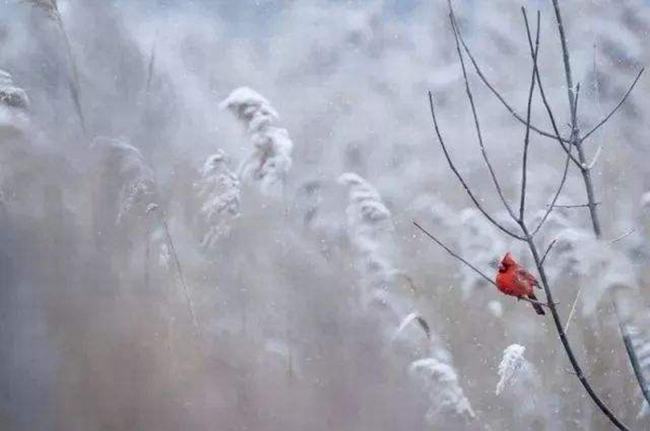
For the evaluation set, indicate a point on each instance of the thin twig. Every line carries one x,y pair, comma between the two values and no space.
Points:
549,111
573,205
531,91
548,249
563,179
613,111
460,177
471,266
477,125
454,254
625,235
51,8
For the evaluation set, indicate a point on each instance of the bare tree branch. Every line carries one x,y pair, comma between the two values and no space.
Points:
531,91
565,171
563,143
573,206
521,222
556,196
479,135
548,249
460,177
613,111
496,93
592,208
562,333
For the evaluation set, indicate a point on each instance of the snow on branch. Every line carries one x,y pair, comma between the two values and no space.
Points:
270,160
219,193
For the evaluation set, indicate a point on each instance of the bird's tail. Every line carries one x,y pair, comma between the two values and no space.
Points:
538,308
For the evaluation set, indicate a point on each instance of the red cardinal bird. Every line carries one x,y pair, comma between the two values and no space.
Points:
514,280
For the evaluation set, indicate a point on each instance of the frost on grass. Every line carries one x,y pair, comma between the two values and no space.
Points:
137,187
219,193
270,160
444,389
512,364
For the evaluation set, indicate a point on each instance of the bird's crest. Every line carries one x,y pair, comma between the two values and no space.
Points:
508,260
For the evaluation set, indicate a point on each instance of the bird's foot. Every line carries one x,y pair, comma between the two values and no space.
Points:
532,301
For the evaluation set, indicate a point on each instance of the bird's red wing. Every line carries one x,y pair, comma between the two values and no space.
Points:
526,277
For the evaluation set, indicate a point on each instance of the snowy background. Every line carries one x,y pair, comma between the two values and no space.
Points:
228,245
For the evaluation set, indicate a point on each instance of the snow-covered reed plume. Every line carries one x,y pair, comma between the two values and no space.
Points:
445,392
370,231
512,365
11,95
414,318
519,383
13,103
270,160
51,8
157,242
370,228
219,193
137,187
